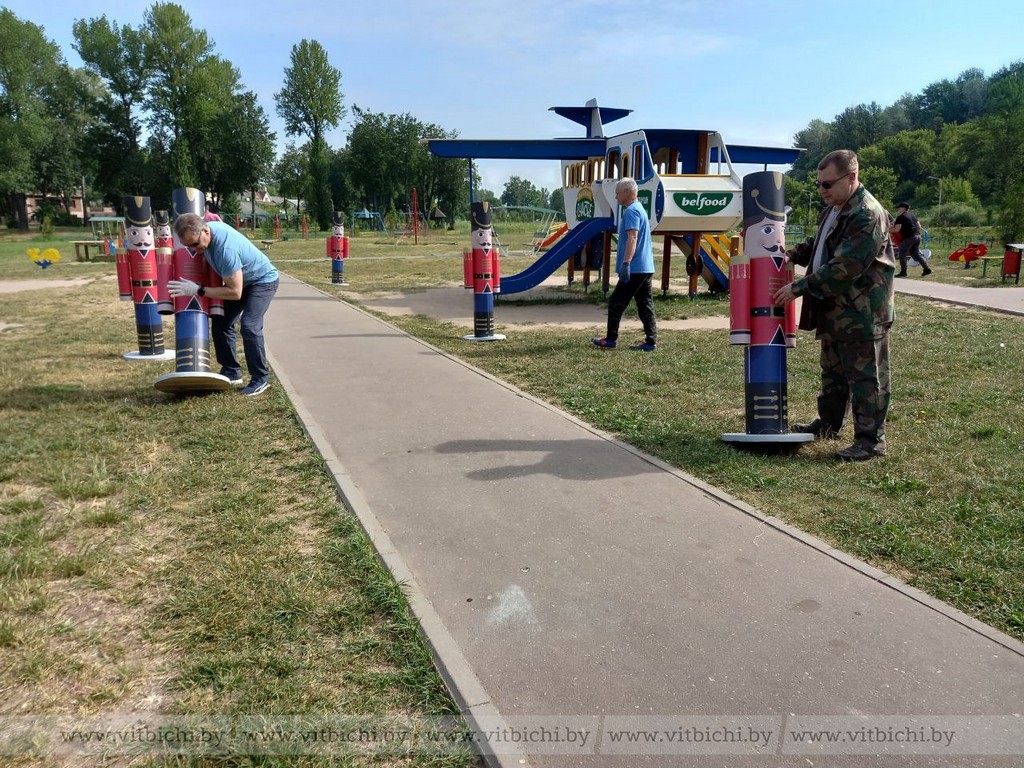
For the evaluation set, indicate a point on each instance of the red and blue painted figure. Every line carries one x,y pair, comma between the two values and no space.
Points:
765,329
337,248
191,313
137,279
482,272
164,241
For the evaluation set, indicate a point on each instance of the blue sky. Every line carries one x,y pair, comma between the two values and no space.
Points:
756,71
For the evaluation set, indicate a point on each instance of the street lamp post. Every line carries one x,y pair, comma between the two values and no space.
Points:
938,213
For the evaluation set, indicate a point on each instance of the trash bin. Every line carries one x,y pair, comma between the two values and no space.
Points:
1011,261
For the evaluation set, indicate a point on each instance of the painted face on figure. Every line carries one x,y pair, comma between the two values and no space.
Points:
337,230
482,239
767,236
163,231
140,238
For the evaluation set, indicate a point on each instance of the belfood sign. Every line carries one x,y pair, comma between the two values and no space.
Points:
585,204
703,203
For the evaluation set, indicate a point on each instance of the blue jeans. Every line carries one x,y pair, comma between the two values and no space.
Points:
251,308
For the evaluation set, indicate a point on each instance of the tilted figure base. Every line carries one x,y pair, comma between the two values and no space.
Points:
193,381
167,354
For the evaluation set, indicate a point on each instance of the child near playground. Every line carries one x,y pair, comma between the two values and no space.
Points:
634,263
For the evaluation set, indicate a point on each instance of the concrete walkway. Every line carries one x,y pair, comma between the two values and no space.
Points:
590,606
1004,299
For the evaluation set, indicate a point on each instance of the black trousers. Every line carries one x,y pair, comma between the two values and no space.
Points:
910,248
637,287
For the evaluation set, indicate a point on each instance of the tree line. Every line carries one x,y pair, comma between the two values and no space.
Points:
954,151
155,108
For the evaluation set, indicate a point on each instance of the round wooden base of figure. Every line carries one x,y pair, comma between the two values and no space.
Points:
167,354
343,282
192,381
786,442
492,337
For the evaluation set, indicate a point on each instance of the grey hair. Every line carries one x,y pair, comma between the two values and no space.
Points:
188,222
626,182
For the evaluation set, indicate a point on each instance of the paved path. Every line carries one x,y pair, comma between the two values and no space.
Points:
1003,299
569,584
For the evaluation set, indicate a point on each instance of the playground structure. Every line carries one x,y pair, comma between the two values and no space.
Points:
1010,259
368,220
107,236
969,253
687,184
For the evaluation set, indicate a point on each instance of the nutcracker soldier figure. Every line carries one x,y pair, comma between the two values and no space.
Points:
137,280
482,273
191,313
764,329
337,248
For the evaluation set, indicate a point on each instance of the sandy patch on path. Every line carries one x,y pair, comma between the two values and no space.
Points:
16,286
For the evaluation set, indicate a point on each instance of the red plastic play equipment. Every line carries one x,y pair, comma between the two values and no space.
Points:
970,252
553,238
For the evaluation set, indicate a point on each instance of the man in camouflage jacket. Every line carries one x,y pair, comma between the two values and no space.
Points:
848,301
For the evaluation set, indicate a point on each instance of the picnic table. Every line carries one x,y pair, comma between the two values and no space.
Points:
86,245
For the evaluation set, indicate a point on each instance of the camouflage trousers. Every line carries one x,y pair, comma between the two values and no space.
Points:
855,374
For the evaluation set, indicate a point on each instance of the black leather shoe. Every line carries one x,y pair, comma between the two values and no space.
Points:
820,430
862,451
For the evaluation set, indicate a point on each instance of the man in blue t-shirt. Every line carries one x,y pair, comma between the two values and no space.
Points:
634,263
249,283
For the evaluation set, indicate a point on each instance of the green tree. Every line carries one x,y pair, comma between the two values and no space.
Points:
30,64
956,101
59,163
248,149
816,141
859,126
192,90
803,198
482,195
881,183
291,172
115,55
519,191
310,103
556,202
387,158
344,191
443,179
1006,90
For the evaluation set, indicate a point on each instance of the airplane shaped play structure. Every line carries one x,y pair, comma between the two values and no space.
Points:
686,178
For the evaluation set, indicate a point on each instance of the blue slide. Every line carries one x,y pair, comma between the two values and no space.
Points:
560,253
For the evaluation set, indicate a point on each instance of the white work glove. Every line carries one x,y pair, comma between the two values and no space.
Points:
177,288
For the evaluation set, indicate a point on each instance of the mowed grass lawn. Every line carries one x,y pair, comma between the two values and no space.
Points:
188,555
178,555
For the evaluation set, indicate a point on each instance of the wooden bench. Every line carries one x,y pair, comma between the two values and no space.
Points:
87,244
986,259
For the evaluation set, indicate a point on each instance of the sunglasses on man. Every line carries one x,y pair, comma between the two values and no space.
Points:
827,185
